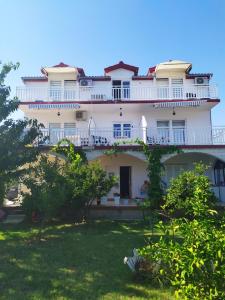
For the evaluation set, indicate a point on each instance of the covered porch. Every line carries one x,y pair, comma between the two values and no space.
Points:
130,168
185,161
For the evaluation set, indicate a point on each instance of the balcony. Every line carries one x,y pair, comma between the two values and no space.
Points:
152,136
104,93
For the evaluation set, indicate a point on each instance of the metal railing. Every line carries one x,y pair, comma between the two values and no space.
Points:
94,93
152,136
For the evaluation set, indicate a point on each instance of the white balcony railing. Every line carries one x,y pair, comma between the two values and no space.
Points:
93,93
152,136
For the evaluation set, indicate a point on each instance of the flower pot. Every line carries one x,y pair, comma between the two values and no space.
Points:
126,201
117,200
104,200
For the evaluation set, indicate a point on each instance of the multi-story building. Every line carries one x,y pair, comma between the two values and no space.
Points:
167,106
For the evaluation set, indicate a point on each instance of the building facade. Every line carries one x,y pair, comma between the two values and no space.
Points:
167,106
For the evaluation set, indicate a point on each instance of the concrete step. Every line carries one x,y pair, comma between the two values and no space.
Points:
14,219
15,210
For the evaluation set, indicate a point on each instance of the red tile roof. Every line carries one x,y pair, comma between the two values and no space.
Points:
122,65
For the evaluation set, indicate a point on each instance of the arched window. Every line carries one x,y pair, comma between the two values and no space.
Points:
219,173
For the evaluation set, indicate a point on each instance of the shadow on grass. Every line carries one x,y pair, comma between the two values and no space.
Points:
73,261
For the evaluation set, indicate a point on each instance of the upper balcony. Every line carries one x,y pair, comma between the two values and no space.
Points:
109,93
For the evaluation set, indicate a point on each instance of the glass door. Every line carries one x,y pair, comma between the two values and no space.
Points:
178,127
177,88
126,89
55,90
54,133
163,132
116,89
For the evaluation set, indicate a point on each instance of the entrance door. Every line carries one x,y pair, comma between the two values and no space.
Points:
125,182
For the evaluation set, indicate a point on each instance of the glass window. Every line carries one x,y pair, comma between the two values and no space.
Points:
178,123
55,90
163,124
122,130
177,81
69,129
127,130
178,131
69,89
55,134
116,131
126,89
163,132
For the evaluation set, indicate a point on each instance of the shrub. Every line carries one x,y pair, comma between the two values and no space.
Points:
87,181
195,265
59,189
190,192
189,254
47,189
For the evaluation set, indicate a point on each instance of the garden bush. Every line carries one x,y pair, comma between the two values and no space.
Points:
65,187
190,192
47,190
190,252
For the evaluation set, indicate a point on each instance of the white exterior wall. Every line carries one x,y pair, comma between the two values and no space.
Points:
105,115
120,74
112,164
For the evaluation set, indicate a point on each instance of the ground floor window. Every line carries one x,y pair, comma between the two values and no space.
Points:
219,173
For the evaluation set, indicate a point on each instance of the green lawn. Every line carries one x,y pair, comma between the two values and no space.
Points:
82,261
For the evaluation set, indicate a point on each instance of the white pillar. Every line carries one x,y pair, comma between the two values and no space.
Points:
144,129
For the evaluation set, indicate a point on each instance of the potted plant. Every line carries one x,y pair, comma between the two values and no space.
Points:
116,198
104,199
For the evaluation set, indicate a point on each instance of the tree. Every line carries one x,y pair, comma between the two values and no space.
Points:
47,189
15,137
66,187
87,181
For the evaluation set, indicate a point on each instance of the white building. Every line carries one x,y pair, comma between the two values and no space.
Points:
169,105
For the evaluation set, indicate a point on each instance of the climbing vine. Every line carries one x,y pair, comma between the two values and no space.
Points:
154,172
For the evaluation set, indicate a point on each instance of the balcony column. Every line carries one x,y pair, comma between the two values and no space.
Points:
144,129
170,89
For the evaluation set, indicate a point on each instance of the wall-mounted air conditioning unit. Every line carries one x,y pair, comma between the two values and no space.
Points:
81,115
86,82
201,80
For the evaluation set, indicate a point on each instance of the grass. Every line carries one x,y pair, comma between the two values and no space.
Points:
73,261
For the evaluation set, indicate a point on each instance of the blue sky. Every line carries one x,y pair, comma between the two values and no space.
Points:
96,34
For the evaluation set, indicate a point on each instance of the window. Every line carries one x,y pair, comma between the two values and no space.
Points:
171,132
55,90
178,131
127,130
121,130
162,88
163,132
69,89
69,129
177,88
120,89
177,81
126,89
54,133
